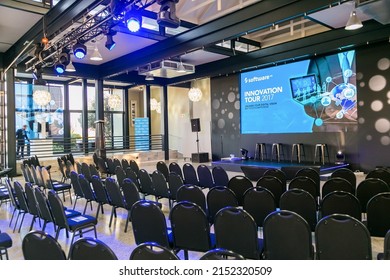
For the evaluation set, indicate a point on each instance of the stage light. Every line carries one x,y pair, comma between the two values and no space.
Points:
133,21
59,67
96,56
167,15
70,67
79,50
110,44
353,22
244,153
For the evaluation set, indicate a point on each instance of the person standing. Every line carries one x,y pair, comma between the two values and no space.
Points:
21,136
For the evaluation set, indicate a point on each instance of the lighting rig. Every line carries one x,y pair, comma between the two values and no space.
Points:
57,52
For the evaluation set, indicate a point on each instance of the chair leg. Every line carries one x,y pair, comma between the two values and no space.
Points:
12,217
16,222
74,206
58,232
94,230
32,223
186,254
98,210
44,225
127,220
21,222
112,214
70,197
85,207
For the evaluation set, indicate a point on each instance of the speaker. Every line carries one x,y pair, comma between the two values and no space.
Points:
195,125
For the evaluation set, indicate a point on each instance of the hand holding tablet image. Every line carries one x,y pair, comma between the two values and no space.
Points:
301,97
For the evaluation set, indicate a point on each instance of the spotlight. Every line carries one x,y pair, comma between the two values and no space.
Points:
244,153
110,44
59,67
79,50
167,15
133,21
353,22
37,72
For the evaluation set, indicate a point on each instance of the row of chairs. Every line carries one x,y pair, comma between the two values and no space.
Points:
286,234
50,209
38,245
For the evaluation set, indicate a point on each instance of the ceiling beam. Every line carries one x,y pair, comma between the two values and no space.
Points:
319,44
248,19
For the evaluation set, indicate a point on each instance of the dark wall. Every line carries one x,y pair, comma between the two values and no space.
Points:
365,148
374,106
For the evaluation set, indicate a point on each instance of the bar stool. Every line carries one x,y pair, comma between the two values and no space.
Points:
260,151
277,150
322,151
298,150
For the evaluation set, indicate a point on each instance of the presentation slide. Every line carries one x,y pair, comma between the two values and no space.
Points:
300,97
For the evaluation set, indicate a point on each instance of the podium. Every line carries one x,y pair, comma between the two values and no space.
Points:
200,157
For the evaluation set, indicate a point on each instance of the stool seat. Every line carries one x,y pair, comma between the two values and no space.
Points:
277,151
321,150
297,151
261,151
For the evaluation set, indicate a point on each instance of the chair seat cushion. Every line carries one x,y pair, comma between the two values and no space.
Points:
61,187
5,240
82,221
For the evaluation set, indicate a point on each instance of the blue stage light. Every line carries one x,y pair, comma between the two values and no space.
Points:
110,44
60,68
79,50
133,21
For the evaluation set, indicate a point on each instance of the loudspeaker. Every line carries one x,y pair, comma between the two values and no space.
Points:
195,125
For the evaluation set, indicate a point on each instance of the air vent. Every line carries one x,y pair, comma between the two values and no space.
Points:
165,69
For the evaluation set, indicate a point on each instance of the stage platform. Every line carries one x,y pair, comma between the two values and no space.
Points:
254,169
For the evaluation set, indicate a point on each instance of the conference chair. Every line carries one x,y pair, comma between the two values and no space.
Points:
220,176
386,248
38,245
346,174
380,173
189,173
5,244
340,202
192,194
174,184
259,202
88,248
274,185
368,188
175,168
152,251
101,194
239,184
337,184
205,176
219,254
219,198
378,214
163,168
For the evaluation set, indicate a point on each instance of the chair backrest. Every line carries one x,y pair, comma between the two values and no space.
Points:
24,172
152,251
11,192
287,236
77,165
175,168
34,174
134,166
239,184
117,163
160,184
38,172
221,254
57,209
189,173
86,188
163,168
346,174
71,158
62,167
190,227
85,171
43,205
69,167
259,202
378,214
46,178
220,176
95,159
100,190
205,176
102,165
93,171
368,188
149,224
192,194
120,175
29,174
337,184
133,176
38,245
313,174
110,166
340,202
380,173
174,183
145,182
88,248
130,192
386,252
220,197
21,196
274,185
302,203
74,180
236,230
304,183
341,237
115,194
278,174
125,163
31,200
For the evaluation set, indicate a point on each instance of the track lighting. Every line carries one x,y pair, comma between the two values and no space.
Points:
96,56
79,50
353,22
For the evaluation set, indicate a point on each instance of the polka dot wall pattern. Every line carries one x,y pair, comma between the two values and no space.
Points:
225,112
375,87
